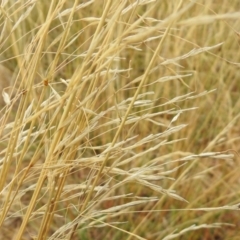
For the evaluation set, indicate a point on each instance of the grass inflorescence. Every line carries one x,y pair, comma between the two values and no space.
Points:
119,119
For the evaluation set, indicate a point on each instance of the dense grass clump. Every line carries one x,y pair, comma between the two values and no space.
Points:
119,119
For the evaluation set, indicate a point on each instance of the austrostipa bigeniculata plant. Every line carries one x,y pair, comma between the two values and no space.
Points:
94,117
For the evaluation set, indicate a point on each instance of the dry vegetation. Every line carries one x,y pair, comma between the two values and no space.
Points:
119,119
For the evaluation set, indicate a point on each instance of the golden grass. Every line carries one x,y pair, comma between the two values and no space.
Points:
119,119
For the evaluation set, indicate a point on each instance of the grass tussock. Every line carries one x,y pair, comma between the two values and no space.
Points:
119,119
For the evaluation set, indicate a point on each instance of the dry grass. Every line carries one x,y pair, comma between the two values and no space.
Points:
119,119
